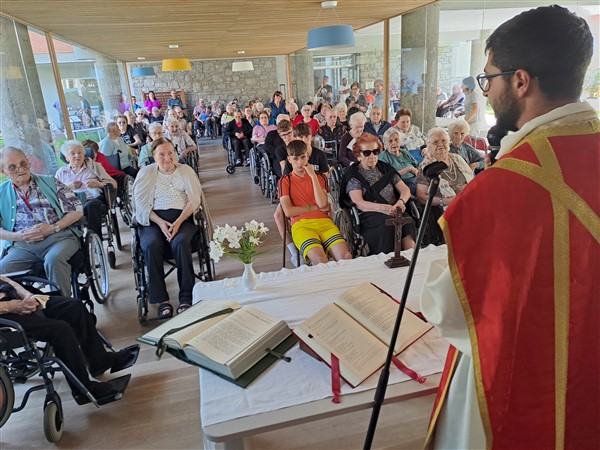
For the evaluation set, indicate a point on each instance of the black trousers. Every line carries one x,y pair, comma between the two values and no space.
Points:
156,250
94,209
380,237
70,329
238,144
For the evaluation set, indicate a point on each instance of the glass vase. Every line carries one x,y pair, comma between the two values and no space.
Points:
249,277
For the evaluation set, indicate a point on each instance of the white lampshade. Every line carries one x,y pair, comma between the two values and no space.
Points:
242,66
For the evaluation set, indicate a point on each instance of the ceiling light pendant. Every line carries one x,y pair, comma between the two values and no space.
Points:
328,37
320,38
174,64
242,66
142,72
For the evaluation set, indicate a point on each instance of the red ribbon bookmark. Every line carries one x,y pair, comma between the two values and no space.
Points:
336,384
411,373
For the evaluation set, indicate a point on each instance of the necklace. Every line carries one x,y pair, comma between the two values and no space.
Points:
451,172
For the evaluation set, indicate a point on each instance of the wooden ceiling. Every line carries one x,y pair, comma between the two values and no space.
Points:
128,29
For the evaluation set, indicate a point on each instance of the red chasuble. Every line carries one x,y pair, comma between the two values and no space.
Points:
524,252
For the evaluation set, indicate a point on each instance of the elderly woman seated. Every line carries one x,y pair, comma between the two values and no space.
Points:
113,144
155,131
452,181
399,158
377,191
83,175
458,131
182,143
357,126
166,195
412,138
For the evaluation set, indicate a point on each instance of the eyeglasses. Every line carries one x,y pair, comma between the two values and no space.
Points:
369,152
14,168
484,80
140,114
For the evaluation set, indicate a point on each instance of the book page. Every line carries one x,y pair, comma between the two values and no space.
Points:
196,312
224,341
377,312
331,330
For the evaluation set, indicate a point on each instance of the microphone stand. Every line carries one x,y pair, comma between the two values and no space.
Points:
431,171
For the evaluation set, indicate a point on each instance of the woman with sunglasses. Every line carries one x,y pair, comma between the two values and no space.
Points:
377,191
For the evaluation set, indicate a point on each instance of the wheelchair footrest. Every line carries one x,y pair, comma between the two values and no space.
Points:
118,384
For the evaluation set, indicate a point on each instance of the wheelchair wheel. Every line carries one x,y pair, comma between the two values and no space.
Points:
98,266
7,396
127,205
253,158
53,420
265,174
117,232
207,265
142,309
230,169
112,260
344,223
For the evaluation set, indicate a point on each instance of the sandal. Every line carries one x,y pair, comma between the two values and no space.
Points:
183,307
165,311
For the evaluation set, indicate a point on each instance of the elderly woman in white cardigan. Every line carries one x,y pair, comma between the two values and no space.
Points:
166,195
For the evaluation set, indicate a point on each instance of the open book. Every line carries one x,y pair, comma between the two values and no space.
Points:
357,329
224,338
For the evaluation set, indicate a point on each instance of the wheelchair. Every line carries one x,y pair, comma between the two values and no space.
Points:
124,192
21,359
200,246
347,219
192,160
230,168
255,156
268,179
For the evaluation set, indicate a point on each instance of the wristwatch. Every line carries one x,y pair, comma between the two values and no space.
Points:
56,228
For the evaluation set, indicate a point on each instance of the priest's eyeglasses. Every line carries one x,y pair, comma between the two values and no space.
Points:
484,80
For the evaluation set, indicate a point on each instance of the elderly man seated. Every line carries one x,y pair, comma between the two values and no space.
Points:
376,125
37,216
83,175
70,329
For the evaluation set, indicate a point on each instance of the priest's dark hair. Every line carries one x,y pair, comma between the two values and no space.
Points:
551,43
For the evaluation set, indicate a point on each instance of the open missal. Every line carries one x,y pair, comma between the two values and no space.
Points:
237,343
357,329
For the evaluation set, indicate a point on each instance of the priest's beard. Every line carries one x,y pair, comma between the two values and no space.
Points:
508,111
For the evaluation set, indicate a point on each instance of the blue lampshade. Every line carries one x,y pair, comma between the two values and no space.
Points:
333,36
142,71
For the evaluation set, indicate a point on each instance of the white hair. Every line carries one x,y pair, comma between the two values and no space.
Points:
437,130
67,146
357,118
462,123
154,125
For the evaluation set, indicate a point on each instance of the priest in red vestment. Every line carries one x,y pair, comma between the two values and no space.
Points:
519,297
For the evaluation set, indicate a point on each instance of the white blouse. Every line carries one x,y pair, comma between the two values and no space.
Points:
169,192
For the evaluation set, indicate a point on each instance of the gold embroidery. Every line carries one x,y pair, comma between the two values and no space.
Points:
547,174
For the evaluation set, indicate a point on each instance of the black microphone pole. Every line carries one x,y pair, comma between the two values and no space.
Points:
431,171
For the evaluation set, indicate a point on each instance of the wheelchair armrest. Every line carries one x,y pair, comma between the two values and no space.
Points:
412,210
110,194
7,340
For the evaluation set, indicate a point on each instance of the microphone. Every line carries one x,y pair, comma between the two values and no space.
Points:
434,169
494,136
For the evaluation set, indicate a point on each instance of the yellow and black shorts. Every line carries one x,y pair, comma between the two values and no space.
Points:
310,233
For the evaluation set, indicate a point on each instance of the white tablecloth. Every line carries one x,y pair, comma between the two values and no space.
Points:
294,295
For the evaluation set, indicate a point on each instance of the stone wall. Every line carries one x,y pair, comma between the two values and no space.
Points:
212,80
